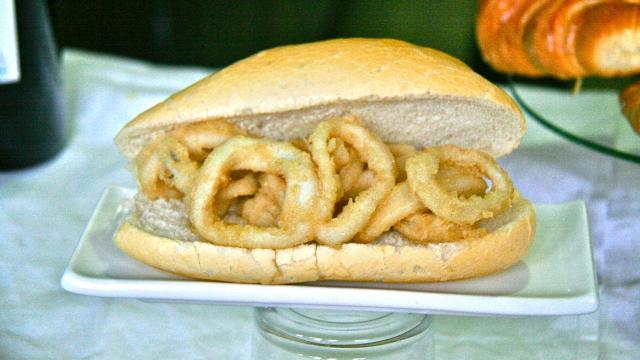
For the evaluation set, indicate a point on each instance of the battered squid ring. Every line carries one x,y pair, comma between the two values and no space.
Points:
398,205
264,208
422,170
245,186
402,203
401,152
355,215
167,166
297,217
165,169
201,138
424,228
465,182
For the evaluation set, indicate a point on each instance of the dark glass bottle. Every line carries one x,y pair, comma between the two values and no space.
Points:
32,127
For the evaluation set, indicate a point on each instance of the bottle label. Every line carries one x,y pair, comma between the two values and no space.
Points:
9,52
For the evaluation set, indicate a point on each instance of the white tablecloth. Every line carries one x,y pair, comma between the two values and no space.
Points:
43,212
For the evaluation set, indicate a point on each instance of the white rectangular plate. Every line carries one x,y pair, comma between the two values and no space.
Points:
556,277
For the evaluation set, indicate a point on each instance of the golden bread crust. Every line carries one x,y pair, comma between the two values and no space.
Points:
380,261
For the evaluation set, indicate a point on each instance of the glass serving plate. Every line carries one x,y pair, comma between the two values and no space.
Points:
590,117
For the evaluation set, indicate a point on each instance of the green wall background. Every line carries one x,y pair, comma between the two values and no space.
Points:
217,33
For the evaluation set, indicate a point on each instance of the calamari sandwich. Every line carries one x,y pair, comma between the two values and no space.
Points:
349,159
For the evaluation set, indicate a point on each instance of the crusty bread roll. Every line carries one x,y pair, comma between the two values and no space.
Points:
154,236
403,92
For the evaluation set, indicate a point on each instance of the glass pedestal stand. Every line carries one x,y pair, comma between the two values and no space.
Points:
284,333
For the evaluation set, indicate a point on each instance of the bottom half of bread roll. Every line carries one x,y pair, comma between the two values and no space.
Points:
158,234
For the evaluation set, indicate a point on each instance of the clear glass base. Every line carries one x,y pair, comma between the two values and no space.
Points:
332,334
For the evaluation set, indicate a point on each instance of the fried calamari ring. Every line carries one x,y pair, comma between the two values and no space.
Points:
401,152
422,170
201,138
425,227
354,176
264,208
355,215
273,186
340,153
297,218
402,203
175,158
366,179
398,205
349,175
261,210
153,178
301,144
245,186
165,167
463,181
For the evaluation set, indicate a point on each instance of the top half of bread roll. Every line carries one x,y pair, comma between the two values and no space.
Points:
403,92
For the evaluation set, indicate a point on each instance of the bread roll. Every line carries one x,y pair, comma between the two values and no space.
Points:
153,236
